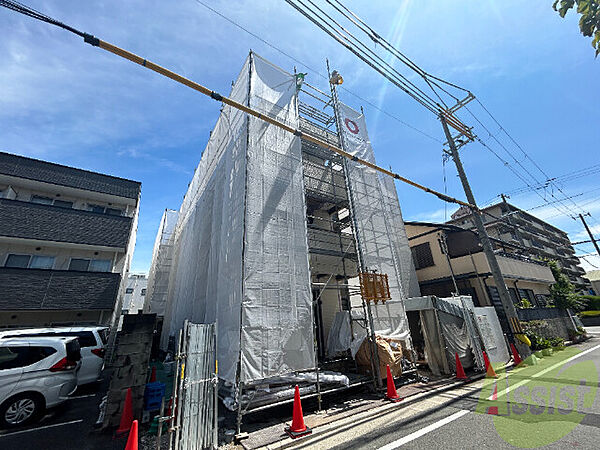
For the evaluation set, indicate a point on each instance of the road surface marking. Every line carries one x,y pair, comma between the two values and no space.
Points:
423,431
41,428
82,396
539,374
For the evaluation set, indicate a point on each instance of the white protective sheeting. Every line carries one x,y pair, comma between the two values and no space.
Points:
240,248
491,333
277,330
381,232
162,255
340,334
381,235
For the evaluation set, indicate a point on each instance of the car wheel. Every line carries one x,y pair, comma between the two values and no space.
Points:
21,410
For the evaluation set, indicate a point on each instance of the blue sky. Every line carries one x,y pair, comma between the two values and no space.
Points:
66,102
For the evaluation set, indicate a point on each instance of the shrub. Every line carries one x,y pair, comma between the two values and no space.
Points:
590,302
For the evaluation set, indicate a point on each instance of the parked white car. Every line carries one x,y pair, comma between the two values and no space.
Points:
35,373
92,340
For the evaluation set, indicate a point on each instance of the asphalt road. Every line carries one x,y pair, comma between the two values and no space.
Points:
453,420
68,426
446,421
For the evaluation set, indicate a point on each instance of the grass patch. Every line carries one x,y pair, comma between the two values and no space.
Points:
590,313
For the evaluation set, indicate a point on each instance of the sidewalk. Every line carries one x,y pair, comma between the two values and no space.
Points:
351,410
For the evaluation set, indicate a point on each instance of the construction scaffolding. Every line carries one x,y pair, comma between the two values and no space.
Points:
162,256
270,240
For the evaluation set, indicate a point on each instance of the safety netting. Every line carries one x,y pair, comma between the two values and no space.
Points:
240,246
160,268
380,232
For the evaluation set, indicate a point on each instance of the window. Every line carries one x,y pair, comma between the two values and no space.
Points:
78,264
63,203
129,291
41,200
99,265
422,256
21,261
41,262
105,210
90,265
114,212
143,291
13,357
96,208
50,201
542,300
28,261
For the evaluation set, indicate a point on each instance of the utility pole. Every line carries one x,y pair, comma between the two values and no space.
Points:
507,304
590,233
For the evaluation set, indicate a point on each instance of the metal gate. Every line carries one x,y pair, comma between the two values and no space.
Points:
196,389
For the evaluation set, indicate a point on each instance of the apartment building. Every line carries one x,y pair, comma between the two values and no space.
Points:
135,293
450,260
66,241
516,231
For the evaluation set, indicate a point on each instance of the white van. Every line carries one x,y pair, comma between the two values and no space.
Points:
35,373
92,340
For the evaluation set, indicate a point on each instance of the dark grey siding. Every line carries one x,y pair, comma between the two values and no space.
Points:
50,223
34,169
31,289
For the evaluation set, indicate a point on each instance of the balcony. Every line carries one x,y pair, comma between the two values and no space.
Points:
511,266
51,223
36,289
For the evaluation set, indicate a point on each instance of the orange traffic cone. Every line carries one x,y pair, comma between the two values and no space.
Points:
490,373
493,410
298,427
132,440
516,356
460,372
126,415
391,394
153,375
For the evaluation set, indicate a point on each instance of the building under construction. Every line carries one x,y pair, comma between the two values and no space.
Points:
273,233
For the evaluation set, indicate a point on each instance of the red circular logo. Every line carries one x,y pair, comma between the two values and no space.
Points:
351,125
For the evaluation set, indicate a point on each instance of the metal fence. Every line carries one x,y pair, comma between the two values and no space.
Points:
196,389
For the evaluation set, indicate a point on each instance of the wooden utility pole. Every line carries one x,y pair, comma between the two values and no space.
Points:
507,304
590,233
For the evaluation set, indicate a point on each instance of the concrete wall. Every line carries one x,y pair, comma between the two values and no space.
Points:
557,321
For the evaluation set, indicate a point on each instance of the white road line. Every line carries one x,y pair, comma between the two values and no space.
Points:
423,431
40,428
82,396
539,374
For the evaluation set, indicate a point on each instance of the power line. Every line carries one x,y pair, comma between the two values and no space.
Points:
296,60
333,28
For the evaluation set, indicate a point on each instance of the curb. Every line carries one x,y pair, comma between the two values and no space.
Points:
368,414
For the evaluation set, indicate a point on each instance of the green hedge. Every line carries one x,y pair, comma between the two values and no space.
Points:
590,302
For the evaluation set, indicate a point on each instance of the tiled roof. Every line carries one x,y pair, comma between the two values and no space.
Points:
47,172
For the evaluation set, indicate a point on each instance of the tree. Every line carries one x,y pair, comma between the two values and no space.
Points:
562,292
589,22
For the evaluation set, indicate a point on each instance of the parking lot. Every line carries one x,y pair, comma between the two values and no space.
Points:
68,426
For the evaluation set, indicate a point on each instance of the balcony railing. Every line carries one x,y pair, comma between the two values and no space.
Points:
52,223
37,289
